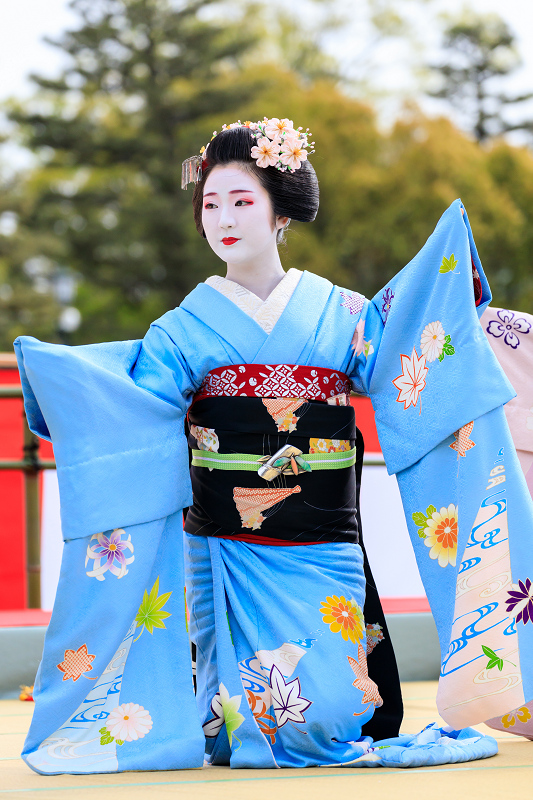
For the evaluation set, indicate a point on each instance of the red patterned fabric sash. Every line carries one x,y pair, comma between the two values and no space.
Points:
276,380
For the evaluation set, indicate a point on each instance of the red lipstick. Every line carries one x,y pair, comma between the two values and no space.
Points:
229,240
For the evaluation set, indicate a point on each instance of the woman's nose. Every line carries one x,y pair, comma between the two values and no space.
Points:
227,219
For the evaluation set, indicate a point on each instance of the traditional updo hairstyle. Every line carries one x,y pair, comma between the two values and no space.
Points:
292,194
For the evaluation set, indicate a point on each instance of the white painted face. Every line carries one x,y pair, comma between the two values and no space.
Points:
237,216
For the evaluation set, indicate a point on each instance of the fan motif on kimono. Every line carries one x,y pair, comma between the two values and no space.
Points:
252,502
282,411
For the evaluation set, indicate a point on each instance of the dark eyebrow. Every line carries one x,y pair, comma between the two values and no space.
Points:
233,191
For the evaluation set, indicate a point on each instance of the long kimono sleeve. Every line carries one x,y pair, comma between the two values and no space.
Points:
114,413
117,642
438,394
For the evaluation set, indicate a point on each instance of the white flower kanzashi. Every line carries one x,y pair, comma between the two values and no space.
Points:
265,152
129,722
432,341
292,153
279,144
276,128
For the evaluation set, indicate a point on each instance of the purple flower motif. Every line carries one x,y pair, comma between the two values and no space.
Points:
387,297
506,327
108,554
353,302
521,599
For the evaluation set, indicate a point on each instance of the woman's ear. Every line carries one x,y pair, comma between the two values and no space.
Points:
282,222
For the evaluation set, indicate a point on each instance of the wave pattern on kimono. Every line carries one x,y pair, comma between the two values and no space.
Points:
444,433
510,334
132,476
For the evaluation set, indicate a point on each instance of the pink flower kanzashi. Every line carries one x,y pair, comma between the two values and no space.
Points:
276,128
129,722
412,380
265,152
293,152
108,554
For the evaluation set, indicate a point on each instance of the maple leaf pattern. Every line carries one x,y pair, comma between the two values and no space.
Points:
412,380
462,441
150,614
363,682
288,703
449,264
353,302
76,662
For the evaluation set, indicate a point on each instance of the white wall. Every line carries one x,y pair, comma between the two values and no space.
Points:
51,539
387,542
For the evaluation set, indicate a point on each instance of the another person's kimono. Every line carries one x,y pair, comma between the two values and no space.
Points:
510,334
268,579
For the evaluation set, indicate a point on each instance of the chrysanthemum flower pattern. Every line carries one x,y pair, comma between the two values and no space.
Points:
345,616
432,341
441,535
109,554
520,601
508,326
128,722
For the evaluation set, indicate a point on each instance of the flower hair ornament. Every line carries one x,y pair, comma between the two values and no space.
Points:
278,144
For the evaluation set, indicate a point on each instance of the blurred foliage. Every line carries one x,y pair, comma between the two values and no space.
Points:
479,49
147,83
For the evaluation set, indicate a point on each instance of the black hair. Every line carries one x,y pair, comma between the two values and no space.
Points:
292,194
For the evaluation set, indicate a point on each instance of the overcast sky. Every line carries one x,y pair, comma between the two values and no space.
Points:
24,23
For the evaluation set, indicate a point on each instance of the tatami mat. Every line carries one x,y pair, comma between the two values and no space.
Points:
508,775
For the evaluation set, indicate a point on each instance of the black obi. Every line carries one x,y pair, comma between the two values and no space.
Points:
235,504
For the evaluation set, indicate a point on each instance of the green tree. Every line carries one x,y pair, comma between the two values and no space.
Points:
106,201
144,79
26,300
479,50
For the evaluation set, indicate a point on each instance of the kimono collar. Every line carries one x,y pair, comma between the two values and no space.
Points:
265,312
290,334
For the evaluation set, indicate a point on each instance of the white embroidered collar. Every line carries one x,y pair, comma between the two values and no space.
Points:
265,312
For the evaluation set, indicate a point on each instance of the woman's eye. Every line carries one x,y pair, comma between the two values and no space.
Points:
244,202
210,205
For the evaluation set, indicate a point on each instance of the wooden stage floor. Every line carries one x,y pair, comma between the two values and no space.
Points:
509,775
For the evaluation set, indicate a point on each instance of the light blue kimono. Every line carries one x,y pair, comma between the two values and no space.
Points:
115,413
